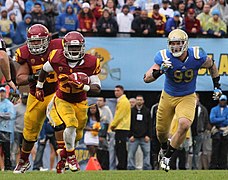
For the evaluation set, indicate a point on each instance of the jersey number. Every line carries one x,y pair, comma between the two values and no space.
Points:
65,87
52,76
185,76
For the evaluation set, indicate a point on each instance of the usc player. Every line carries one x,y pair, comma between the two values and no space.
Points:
68,112
31,58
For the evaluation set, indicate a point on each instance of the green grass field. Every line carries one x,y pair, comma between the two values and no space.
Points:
116,175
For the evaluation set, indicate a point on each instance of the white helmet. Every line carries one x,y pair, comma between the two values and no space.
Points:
180,36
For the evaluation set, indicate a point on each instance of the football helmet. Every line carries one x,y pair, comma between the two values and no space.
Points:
38,39
74,46
177,42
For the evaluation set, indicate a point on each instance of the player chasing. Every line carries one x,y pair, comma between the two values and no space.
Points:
77,74
31,58
180,64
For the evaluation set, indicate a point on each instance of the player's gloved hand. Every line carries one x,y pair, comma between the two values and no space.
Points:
217,93
39,94
74,81
166,65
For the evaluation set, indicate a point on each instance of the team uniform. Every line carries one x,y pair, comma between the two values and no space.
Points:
178,96
36,111
70,104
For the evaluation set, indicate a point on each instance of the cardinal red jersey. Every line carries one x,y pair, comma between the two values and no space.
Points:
36,62
90,65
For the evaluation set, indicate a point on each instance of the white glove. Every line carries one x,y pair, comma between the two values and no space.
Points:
166,65
217,93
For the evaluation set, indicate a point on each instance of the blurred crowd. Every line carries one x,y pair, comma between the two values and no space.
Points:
114,137
110,18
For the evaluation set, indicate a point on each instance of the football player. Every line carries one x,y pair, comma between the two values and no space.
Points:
180,64
31,58
69,109
5,64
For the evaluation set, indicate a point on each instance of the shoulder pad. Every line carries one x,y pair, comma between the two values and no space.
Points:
198,52
164,55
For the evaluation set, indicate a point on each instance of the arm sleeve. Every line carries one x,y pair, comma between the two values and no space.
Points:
94,79
47,67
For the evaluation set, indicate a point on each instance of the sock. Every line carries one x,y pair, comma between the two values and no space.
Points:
164,146
24,155
60,146
170,151
70,153
63,154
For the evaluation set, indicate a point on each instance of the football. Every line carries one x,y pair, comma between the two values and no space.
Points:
83,78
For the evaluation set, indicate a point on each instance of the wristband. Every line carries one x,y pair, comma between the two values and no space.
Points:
86,87
156,73
216,82
8,80
39,85
31,78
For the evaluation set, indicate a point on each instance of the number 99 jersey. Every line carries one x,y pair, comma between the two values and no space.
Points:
180,80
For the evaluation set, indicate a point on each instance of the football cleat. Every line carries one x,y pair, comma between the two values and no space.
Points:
60,167
161,154
73,163
66,166
164,164
22,166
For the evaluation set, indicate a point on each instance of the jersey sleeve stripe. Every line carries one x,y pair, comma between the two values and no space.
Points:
18,53
98,68
196,52
163,54
52,54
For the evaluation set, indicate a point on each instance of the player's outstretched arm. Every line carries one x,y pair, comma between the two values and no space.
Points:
5,68
152,74
209,64
22,77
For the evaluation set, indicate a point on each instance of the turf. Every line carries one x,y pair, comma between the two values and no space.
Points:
118,175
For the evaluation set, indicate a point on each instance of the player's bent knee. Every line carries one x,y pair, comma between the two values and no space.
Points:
184,124
60,127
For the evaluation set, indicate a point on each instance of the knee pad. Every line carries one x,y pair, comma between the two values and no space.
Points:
69,136
60,127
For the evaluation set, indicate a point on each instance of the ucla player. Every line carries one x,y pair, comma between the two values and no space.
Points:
180,64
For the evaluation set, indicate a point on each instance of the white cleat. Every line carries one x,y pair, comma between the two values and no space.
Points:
73,163
164,164
22,167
